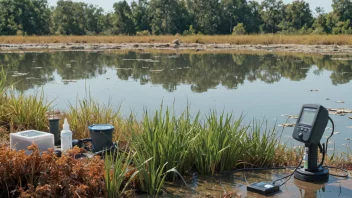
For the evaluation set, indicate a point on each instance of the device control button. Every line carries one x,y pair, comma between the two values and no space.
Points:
305,130
300,135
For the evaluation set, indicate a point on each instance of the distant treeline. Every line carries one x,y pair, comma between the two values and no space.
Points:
186,17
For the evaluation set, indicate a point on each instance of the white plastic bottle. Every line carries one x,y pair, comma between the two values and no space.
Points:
66,137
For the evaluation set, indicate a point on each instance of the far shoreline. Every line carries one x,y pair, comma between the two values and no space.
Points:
178,48
266,43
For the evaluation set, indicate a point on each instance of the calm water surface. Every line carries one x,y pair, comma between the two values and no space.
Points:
259,86
236,185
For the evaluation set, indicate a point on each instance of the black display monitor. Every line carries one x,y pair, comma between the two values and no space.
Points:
311,124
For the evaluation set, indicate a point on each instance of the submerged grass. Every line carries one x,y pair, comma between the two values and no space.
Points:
234,39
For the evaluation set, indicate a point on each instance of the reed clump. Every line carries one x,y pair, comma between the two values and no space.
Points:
164,143
19,111
119,172
219,144
264,39
87,112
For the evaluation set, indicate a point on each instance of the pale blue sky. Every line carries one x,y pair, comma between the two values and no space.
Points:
107,4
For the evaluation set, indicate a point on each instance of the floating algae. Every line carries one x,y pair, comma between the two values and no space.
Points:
156,70
340,101
123,68
16,74
290,116
67,81
143,60
287,125
340,111
342,59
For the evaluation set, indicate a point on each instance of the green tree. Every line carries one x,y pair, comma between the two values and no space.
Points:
272,15
319,25
298,15
78,18
141,15
168,16
123,19
206,15
235,11
342,9
95,19
239,29
68,18
26,17
254,20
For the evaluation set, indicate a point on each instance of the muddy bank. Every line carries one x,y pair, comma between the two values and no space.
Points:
289,48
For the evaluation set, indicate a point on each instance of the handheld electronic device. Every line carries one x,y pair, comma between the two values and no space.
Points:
309,129
311,124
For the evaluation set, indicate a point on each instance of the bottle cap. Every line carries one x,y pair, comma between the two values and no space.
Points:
66,126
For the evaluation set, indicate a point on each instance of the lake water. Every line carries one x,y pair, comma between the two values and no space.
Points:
236,184
258,86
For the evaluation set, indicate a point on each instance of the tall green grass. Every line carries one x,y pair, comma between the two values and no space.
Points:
221,143
260,145
19,111
218,146
27,111
87,112
118,172
3,89
165,143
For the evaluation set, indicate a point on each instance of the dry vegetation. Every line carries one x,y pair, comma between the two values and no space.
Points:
45,175
233,39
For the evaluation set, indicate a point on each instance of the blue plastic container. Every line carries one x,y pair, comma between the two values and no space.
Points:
101,135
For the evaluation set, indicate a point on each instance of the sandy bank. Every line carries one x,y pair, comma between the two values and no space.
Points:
289,48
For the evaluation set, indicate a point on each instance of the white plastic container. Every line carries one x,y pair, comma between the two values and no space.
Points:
66,137
21,140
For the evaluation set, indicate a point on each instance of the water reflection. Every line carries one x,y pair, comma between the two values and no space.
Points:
236,185
201,71
262,87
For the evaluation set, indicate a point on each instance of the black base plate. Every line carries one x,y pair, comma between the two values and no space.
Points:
263,188
319,176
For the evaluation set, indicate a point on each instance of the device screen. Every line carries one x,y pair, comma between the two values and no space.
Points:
308,116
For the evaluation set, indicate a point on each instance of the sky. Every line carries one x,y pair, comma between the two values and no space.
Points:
107,4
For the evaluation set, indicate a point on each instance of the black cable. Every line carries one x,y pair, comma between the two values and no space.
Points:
332,133
341,169
326,150
288,176
256,169
323,158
